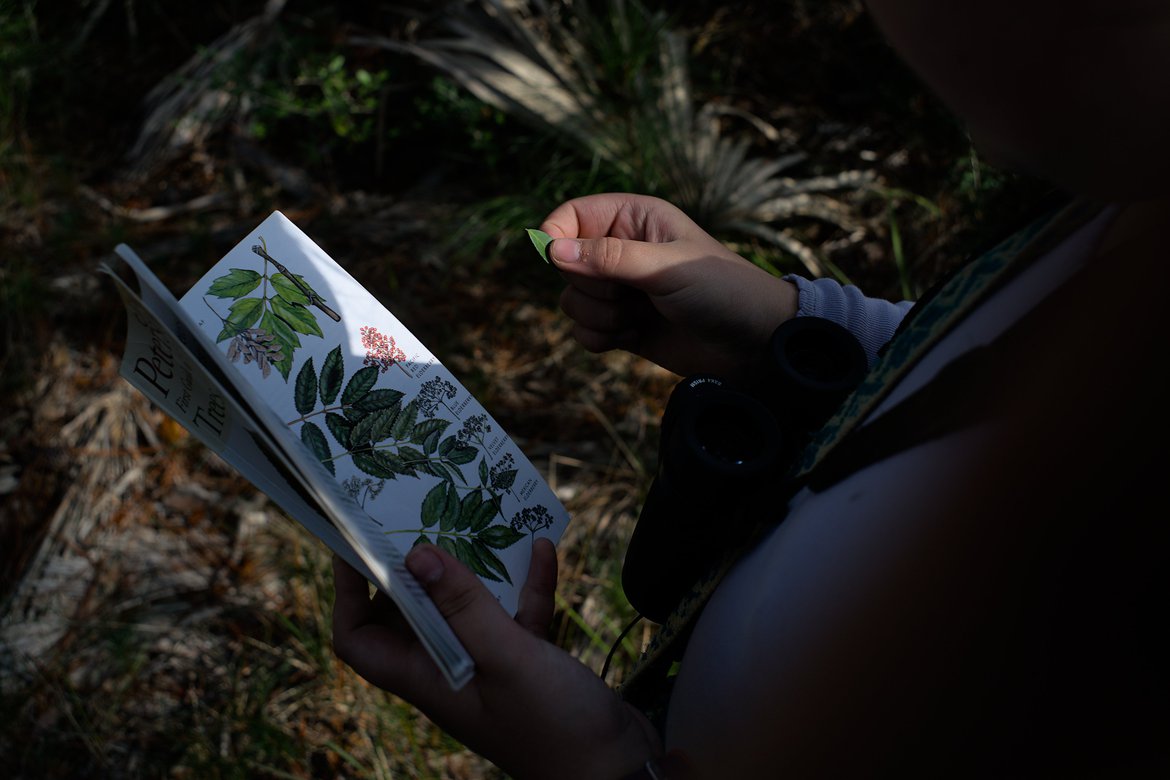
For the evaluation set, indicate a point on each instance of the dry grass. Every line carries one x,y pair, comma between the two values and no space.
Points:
166,619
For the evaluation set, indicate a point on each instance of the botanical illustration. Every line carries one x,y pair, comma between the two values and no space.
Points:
388,437
265,329
382,351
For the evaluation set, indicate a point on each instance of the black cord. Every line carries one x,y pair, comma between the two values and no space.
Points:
616,644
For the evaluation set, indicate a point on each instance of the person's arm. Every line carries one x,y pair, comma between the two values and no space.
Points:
643,277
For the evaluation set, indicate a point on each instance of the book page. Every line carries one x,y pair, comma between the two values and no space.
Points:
396,430
175,365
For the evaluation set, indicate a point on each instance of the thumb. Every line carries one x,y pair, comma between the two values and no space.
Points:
482,625
609,258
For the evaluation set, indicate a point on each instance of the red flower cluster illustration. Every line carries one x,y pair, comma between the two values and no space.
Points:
381,351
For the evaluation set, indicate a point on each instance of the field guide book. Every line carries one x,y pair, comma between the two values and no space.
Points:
284,365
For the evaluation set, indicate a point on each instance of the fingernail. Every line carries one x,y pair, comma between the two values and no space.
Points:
424,565
565,250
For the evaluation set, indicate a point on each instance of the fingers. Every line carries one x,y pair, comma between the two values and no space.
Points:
482,625
537,597
612,259
595,215
383,652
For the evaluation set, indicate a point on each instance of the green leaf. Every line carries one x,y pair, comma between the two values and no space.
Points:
287,290
305,392
298,318
470,556
332,373
411,457
314,438
500,537
422,539
447,544
484,514
447,445
462,454
431,442
467,509
339,427
286,337
354,415
374,463
483,472
405,422
433,505
374,427
401,466
489,559
382,398
540,240
243,314
450,514
238,283
425,429
358,385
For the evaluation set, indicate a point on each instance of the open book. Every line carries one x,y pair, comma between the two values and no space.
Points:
279,361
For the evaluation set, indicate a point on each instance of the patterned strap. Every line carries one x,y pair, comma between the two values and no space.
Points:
648,685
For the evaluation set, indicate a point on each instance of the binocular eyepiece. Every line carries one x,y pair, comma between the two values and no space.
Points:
724,452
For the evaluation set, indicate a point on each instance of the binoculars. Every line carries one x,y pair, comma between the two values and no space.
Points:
724,454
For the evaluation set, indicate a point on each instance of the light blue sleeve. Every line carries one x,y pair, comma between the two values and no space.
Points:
871,320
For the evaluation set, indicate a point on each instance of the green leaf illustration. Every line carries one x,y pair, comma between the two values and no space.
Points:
447,445
374,427
289,291
405,422
474,559
431,443
359,384
242,315
427,429
313,436
489,559
332,374
305,392
484,514
298,318
448,544
467,510
422,539
540,240
434,504
339,427
236,284
483,472
500,537
375,463
382,398
462,454
450,515
288,340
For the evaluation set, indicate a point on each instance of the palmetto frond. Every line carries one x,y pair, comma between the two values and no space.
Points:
548,67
